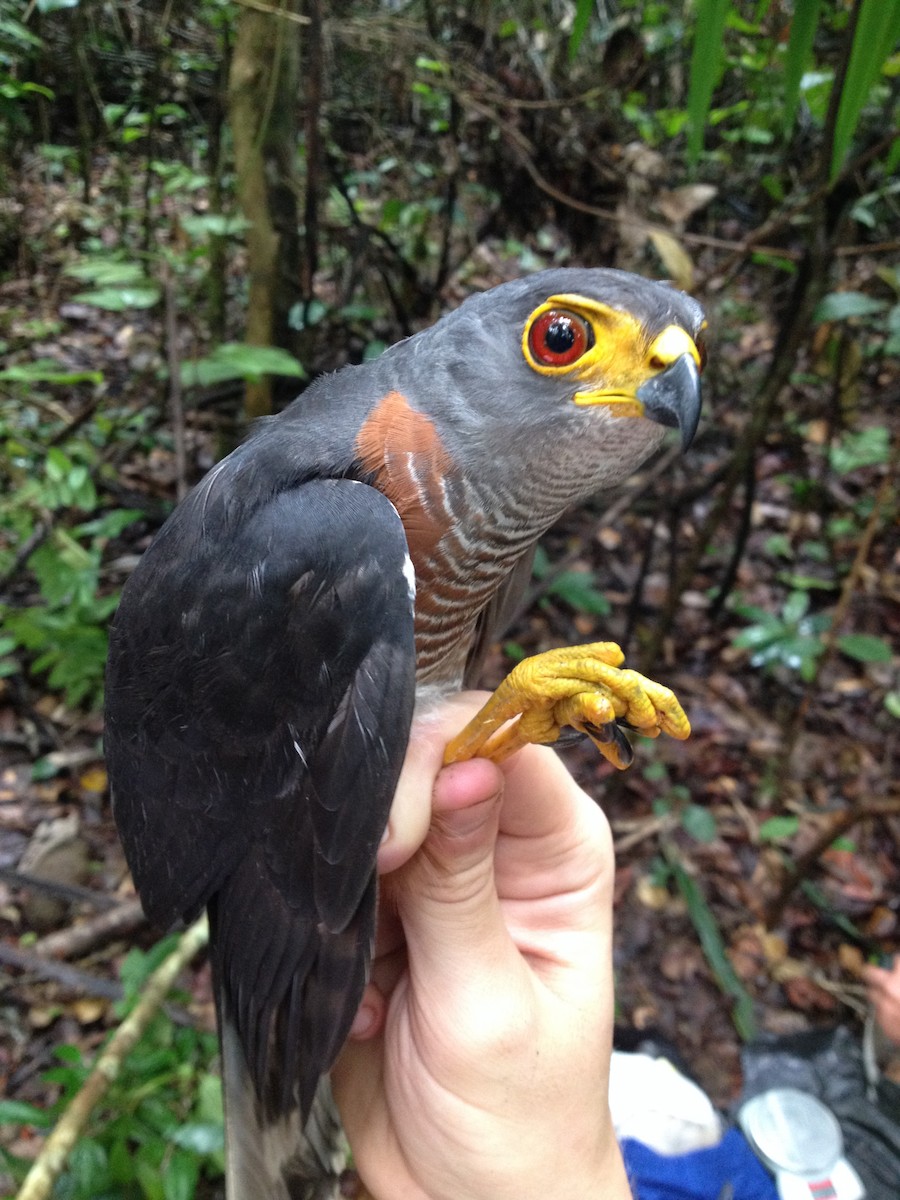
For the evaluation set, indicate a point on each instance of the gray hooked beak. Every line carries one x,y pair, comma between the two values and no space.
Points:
672,398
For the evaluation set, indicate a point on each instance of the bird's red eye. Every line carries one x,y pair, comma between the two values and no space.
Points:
558,339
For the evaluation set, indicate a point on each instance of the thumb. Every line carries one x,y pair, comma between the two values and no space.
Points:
447,898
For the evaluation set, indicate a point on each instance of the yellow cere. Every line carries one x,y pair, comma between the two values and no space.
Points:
620,359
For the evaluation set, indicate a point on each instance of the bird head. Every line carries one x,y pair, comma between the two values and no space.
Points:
581,369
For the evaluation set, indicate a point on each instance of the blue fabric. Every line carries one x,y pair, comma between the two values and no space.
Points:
700,1175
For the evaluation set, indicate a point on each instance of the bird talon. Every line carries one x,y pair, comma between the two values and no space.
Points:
581,687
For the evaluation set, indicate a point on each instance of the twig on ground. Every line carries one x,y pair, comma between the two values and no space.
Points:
83,982
87,935
63,891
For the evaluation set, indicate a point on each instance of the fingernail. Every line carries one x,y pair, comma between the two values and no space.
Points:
364,1022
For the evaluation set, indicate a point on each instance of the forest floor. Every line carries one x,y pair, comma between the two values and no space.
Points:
783,807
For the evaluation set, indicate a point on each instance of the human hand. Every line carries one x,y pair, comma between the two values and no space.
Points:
479,1064
884,995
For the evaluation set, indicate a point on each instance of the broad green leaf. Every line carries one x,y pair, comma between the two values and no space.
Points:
776,828
865,648
803,32
699,823
16,1112
795,607
204,225
106,271
892,703
120,299
50,6
707,58
579,589
877,32
200,1137
840,306
181,1175
237,360
861,448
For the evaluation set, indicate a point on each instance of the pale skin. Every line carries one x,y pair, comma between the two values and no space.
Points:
883,986
478,1068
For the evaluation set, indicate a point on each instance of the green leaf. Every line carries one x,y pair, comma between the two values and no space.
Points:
841,306
799,51
707,59
865,648
200,226
237,360
16,1112
583,11
714,949
180,1177
776,828
870,447
120,298
200,1137
795,607
699,823
106,272
579,589
877,32
45,370
892,703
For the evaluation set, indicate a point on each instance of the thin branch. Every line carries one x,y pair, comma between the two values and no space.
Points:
71,892
87,935
71,978
802,866
282,13
52,1158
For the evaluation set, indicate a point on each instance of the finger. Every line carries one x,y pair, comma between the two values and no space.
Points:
875,977
369,1019
555,840
410,814
447,898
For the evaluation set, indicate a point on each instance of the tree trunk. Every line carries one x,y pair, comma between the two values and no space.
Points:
263,108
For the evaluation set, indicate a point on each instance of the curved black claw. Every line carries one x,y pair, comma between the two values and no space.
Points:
612,733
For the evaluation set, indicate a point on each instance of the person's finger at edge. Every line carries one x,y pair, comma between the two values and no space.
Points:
410,815
446,896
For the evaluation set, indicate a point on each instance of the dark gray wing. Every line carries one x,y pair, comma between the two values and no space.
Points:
259,695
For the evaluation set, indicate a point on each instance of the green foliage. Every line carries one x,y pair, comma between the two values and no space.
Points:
707,61
578,589
868,447
51,501
724,42
158,1131
790,639
877,32
776,829
696,821
119,285
236,360
711,940
799,52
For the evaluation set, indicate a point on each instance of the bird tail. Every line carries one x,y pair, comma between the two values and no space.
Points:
276,1159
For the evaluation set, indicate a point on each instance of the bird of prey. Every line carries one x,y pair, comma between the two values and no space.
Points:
355,557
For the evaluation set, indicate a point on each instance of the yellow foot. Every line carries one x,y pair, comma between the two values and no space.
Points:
581,686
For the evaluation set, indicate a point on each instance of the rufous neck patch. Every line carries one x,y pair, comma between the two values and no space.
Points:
403,450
